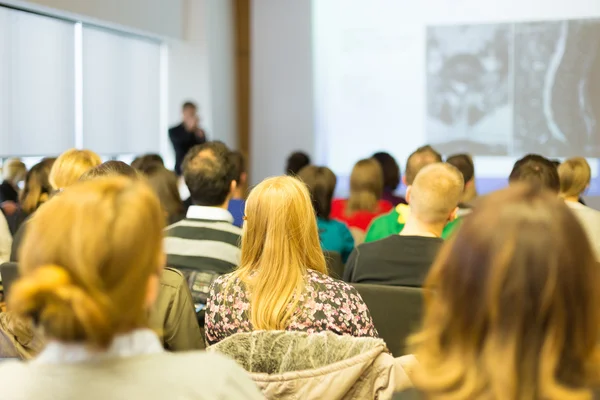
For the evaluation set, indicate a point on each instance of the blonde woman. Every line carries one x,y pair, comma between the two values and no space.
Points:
364,203
282,282
90,267
70,166
13,172
575,175
513,308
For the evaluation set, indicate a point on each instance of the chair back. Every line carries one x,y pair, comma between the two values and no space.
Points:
335,264
10,273
396,312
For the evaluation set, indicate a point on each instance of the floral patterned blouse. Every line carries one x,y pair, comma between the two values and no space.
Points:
326,305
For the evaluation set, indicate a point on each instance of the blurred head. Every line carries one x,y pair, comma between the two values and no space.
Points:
90,262
575,175
366,186
70,165
37,187
110,168
14,171
239,171
536,170
420,158
321,185
208,174
464,163
296,161
147,161
189,113
435,193
164,184
390,168
512,304
279,244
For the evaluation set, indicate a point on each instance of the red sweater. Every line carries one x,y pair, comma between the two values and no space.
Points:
360,219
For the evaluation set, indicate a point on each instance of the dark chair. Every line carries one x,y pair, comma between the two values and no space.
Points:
335,264
396,312
10,273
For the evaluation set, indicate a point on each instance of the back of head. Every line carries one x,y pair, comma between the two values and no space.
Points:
37,187
280,243
71,165
536,170
321,183
238,165
164,184
419,159
14,170
575,175
146,161
110,168
296,161
518,282
464,163
390,168
87,259
208,173
435,193
366,186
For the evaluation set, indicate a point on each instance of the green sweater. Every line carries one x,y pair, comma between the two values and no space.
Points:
388,224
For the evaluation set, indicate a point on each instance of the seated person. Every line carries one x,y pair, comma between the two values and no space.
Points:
364,202
405,259
237,204
282,281
513,307
90,266
464,163
575,175
391,177
295,162
334,235
13,172
393,222
536,170
205,244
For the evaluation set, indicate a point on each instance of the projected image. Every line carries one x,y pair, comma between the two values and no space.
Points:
557,88
468,89
487,97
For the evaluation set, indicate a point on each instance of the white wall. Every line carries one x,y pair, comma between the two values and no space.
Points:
282,114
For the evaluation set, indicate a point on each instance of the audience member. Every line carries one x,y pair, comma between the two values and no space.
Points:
575,175
296,161
70,165
464,163
364,202
5,240
205,244
13,172
173,315
334,235
142,163
392,223
187,134
164,183
238,197
391,177
513,308
536,170
90,265
282,281
405,259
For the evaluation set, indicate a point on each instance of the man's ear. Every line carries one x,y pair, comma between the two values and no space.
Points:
452,215
404,180
232,187
243,179
408,194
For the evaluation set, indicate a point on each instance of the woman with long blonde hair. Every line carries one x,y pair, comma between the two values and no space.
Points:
512,305
282,281
90,266
364,202
71,165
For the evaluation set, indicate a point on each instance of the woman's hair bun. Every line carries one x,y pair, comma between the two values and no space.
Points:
65,310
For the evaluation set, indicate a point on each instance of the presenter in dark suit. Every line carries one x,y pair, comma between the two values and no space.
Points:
187,134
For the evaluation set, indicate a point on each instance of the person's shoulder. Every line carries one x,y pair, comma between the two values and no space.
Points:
12,371
320,279
175,128
172,278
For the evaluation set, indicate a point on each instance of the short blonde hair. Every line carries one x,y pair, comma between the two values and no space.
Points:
86,258
279,245
436,192
14,170
575,175
71,165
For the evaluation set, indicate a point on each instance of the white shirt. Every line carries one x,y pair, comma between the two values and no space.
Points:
210,213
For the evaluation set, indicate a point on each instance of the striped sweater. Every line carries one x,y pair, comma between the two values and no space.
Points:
206,240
